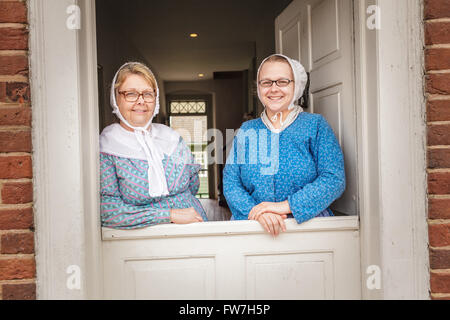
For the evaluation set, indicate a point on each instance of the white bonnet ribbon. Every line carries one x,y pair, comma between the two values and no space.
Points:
275,117
157,184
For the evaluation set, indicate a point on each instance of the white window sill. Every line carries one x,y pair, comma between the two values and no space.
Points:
217,228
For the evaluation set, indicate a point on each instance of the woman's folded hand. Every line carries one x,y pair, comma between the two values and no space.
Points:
280,208
272,223
184,216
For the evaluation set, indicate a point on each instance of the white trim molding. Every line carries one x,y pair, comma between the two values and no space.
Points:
65,151
402,148
393,58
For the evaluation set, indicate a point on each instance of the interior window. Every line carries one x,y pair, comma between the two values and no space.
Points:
193,130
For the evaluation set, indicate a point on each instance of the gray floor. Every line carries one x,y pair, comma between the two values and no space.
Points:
214,212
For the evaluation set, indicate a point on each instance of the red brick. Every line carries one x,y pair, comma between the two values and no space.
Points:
438,83
440,282
15,167
439,258
438,110
438,158
17,243
438,134
439,183
19,291
439,234
446,297
437,59
15,269
14,65
13,11
13,39
16,219
15,141
435,9
439,208
437,33
14,92
17,192
20,116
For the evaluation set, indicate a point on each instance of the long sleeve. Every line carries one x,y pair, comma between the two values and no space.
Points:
318,195
238,198
194,184
115,213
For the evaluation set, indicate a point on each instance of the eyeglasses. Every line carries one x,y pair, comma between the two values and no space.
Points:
280,83
133,96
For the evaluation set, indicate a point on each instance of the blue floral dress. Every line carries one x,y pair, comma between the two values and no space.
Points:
302,164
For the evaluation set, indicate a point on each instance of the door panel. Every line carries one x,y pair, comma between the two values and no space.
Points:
326,51
301,275
324,32
166,275
290,38
328,103
318,259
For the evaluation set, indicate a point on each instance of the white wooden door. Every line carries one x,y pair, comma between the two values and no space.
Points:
318,259
319,33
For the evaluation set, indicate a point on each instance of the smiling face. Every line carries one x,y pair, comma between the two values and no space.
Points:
276,98
136,113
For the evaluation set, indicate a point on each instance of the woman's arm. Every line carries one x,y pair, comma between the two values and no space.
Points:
318,195
115,213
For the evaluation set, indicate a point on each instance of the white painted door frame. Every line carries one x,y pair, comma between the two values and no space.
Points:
391,149
65,150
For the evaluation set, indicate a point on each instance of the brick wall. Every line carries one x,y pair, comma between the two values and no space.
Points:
437,62
17,263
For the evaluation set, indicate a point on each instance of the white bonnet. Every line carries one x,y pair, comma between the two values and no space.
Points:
300,77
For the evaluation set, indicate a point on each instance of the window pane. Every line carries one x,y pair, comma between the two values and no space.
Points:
193,131
191,128
186,107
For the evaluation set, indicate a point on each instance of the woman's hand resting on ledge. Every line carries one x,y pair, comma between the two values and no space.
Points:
184,216
272,223
271,215
280,208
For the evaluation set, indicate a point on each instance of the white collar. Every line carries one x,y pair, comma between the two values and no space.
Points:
296,110
120,142
150,145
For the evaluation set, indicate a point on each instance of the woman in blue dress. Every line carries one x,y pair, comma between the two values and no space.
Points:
287,162
148,174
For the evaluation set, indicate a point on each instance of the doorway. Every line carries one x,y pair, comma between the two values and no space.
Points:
206,66
386,170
